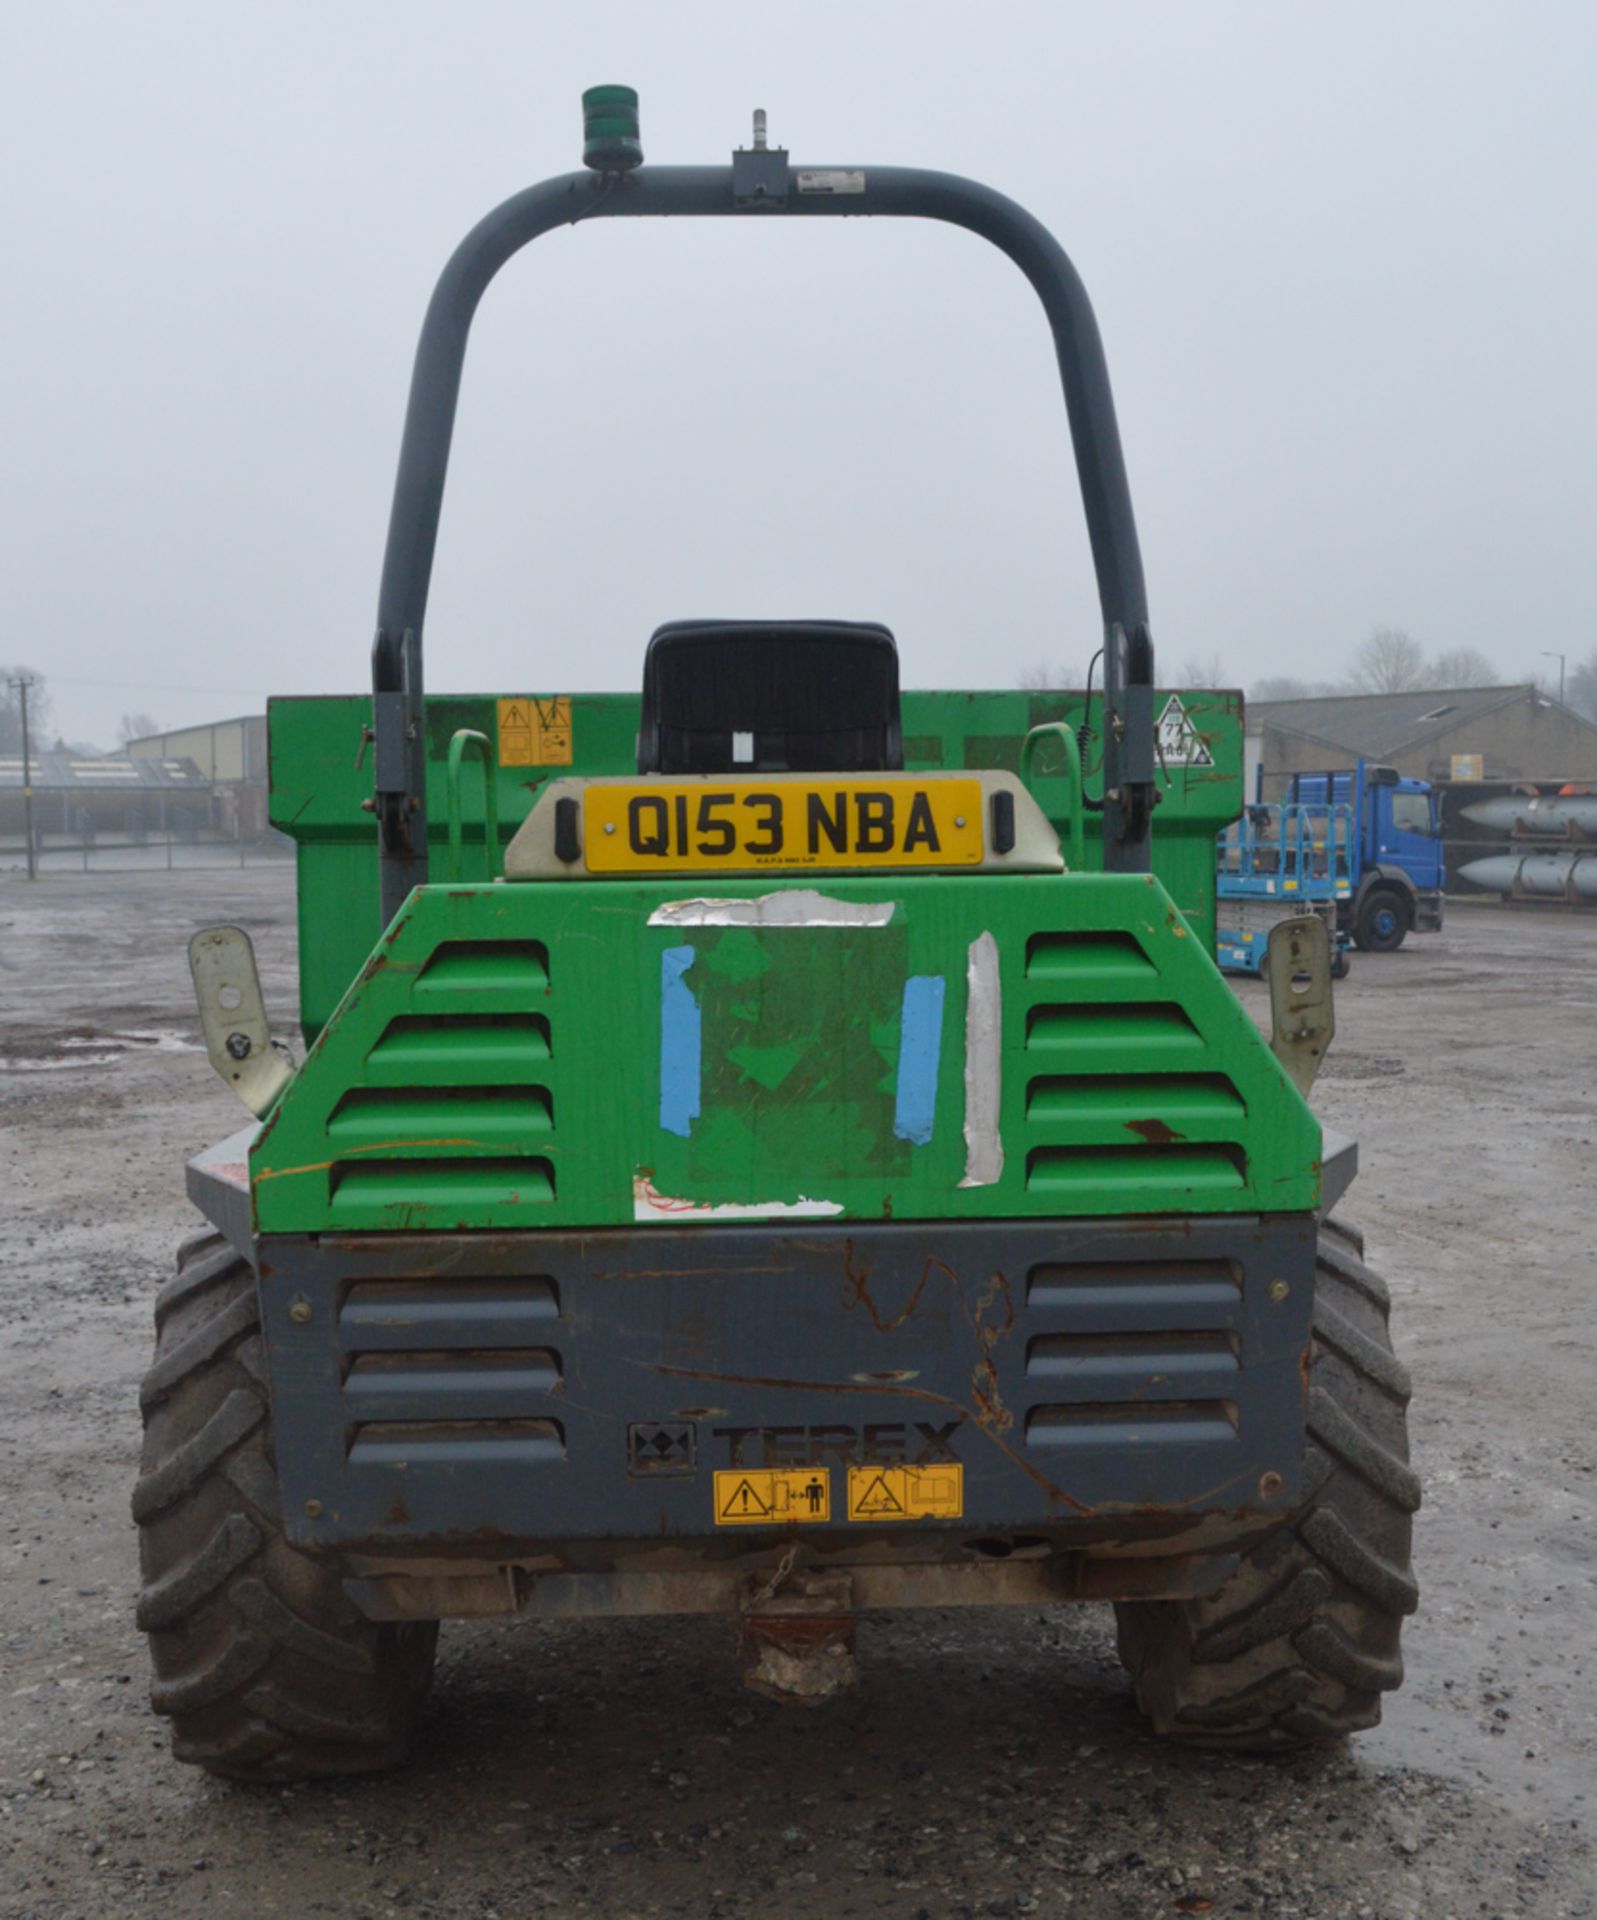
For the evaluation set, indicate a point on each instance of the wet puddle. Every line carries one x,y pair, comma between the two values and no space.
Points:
86,1047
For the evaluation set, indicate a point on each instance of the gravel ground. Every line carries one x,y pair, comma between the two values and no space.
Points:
986,1765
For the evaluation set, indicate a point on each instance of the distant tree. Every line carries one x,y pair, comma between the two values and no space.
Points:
1462,667
1580,688
136,726
1041,677
1204,673
39,709
1281,686
1390,661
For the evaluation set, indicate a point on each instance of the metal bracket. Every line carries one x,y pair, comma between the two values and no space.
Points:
393,722
399,765
759,173
1302,1020
233,1017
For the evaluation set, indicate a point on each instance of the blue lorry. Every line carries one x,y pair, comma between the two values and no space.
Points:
1398,872
1359,846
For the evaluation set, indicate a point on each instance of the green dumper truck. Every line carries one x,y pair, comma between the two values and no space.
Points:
789,1152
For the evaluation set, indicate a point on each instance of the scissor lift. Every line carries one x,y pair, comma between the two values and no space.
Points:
1278,860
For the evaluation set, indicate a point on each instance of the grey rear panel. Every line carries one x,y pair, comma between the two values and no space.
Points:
481,1394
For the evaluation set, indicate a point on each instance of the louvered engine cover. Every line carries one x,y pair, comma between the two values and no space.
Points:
603,1054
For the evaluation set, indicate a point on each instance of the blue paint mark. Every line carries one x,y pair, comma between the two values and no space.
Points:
681,1043
920,1042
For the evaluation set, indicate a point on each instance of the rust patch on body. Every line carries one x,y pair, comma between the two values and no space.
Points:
1155,1132
994,1415
377,1146
857,1291
992,1317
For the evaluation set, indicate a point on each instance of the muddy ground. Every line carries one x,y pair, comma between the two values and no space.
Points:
987,1764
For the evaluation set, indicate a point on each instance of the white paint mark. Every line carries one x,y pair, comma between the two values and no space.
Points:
984,1033
648,1203
743,749
800,907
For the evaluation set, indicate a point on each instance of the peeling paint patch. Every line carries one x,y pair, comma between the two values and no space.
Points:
662,1208
681,1044
795,907
984,1149
920,1046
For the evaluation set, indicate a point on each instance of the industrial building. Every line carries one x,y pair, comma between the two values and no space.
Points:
1465,733
117,798
231,755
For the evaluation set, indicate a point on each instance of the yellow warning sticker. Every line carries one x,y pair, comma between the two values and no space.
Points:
535,733
772,1496
907,1493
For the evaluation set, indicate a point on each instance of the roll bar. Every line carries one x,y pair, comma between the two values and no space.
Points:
759,184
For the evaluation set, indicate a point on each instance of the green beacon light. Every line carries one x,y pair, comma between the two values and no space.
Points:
610,140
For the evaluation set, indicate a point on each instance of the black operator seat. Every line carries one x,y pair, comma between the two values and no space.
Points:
770,696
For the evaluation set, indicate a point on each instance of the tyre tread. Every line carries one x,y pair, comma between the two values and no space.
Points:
227,1326
182,1471
265,1668
191,1581
1358,1450
201,1261
1299,1644
1363,1352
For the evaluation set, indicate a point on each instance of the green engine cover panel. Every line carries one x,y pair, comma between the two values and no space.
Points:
592,1053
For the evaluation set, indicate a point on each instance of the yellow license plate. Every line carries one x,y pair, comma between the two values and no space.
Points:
659,826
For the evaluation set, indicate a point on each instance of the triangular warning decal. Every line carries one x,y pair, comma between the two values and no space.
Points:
512,714
1180,743
744,1503
879,1497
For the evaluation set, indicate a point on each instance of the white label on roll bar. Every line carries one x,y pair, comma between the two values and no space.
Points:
831,180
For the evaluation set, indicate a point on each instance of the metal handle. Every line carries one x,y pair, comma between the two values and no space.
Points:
1077,849
470,737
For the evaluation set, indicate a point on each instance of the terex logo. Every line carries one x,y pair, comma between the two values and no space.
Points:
894,1443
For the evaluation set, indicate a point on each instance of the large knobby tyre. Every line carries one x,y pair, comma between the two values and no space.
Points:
1382,922
1299,1644
265,1668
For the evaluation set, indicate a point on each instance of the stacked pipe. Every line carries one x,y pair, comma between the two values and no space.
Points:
1568,873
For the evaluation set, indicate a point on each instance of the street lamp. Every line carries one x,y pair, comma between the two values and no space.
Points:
1560,659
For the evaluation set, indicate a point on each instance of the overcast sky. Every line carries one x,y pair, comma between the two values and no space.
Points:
1342,256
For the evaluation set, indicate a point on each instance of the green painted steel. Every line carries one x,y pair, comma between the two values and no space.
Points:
589,1053
320,777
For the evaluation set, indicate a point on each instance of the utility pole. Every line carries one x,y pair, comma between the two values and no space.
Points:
20,687
1546,655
